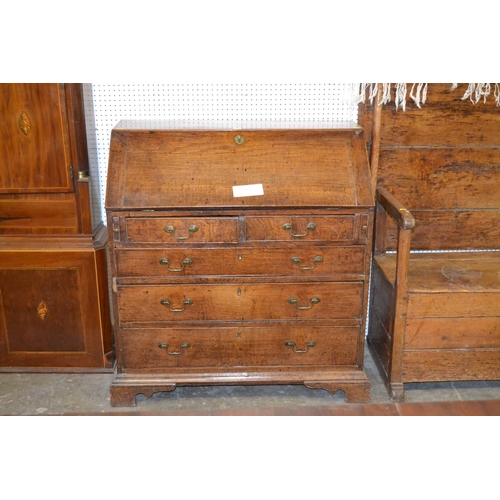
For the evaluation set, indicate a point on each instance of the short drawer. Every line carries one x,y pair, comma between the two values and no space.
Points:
221,302
182,230
303,228
294,345
256,261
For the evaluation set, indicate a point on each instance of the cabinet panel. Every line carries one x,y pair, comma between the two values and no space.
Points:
42,310
34,139
53,309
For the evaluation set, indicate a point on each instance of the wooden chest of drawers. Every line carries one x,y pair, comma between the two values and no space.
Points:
238,257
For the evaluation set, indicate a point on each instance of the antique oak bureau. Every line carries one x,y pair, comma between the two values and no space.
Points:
238,256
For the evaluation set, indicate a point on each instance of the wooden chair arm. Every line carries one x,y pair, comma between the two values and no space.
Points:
395,209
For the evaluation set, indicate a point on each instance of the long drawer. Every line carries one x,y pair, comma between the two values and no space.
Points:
292,345
295,261
224,302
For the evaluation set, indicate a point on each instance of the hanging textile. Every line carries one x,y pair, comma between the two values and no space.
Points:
398,92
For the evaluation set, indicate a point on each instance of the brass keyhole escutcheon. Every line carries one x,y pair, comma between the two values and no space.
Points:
239,139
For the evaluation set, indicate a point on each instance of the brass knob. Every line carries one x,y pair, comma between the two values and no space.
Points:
239,139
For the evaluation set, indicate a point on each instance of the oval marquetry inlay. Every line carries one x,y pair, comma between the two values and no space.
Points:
42,310
24,123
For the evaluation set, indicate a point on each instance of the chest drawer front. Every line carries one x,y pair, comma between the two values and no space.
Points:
299,261
214,302
301,228
182,230
246,346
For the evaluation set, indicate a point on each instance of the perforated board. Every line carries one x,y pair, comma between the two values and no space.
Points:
297,104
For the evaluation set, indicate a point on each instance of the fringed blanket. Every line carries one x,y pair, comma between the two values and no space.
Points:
418,93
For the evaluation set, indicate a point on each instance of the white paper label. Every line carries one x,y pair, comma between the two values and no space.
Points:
248,190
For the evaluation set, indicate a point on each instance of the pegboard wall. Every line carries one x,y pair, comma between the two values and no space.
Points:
213,103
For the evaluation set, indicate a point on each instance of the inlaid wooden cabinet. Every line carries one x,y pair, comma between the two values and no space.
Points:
238,257
54,302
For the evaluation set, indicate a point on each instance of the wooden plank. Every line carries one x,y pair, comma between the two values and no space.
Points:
444,408
451,230
451,272
454,305
455,333
450,408
444,120
429,365
425,178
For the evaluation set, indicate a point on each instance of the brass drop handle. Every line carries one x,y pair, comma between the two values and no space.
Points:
316,260
310,227
186,262
294,301
184,345
291,344
171,229
166,302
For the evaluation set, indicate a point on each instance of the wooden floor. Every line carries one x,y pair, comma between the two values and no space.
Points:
451,408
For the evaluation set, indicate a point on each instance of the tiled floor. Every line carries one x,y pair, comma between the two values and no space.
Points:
62,394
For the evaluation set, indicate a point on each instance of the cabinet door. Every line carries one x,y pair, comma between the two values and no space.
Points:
52,311
34,139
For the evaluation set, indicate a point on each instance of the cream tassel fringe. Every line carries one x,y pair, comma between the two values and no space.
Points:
477,90
418,93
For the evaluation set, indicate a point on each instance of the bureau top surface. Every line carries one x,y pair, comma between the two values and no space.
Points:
162,165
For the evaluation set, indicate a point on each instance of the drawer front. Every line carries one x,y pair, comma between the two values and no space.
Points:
182,230
303,228
299,261
294,345
215,302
